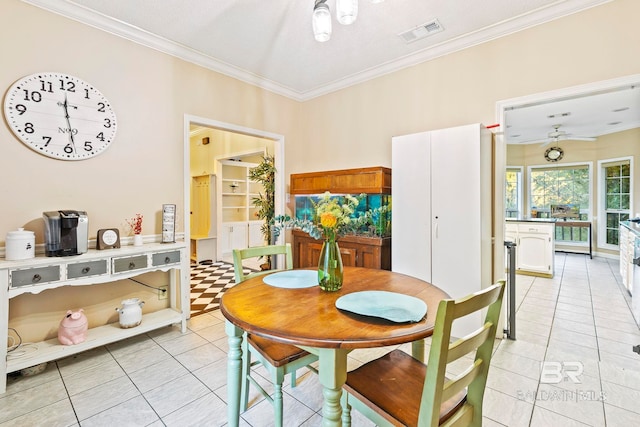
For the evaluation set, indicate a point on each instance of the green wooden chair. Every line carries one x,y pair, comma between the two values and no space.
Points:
398,390
277,358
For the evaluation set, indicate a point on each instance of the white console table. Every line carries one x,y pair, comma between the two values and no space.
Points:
94,267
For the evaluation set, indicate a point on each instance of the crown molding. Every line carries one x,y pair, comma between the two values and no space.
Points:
113,26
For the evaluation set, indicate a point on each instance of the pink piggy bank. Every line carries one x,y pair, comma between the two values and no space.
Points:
73,328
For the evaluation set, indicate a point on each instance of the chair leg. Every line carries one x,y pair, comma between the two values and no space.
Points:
293,379
246,366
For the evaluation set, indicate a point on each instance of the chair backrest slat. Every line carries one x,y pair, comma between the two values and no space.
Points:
260,251
462,347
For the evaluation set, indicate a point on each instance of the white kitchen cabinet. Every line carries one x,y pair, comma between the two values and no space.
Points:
627,241
442,212
535,246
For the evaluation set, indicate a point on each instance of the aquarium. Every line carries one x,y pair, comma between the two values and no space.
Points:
380,225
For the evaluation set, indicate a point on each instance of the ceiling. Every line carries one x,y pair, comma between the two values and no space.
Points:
270,43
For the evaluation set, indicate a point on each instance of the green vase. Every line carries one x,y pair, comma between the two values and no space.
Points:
330,267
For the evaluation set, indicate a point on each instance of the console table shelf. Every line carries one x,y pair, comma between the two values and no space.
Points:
92,268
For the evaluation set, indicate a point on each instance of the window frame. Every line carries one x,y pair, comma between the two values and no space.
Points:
519,190
602,214
588,211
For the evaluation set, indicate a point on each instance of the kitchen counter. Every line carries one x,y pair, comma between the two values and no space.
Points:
633,226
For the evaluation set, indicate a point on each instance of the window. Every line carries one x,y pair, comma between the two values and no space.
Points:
562,185
513,192
615,200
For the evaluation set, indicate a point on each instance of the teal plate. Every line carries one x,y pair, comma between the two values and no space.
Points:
292,279
386,305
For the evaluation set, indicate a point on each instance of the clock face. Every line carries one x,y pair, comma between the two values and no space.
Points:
110,237
60,116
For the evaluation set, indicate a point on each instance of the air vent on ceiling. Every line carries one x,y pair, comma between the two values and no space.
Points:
421,31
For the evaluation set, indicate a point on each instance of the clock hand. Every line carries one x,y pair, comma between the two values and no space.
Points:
66,115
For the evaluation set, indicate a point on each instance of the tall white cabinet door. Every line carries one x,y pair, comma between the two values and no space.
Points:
411,225
455,209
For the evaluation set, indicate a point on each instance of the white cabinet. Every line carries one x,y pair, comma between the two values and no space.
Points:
627,241
91,268
237,221
442,212
535,246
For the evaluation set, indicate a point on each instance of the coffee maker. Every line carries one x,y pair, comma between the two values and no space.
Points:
66,232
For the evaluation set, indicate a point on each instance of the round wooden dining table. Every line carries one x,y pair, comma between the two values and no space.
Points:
308,318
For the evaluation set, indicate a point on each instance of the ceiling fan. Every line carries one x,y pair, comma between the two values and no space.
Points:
556,135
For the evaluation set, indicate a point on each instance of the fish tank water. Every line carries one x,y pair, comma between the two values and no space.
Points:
381,226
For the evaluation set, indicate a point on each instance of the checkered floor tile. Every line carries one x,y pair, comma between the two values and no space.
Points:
208,283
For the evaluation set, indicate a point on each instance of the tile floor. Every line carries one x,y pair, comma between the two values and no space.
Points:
580,318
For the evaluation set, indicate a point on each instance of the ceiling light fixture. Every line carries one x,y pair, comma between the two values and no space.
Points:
321,21
346,13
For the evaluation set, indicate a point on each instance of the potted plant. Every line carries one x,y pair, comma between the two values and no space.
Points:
265,174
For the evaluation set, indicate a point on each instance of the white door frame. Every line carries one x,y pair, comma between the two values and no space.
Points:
278,148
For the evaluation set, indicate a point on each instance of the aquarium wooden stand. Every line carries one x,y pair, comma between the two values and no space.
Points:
356,251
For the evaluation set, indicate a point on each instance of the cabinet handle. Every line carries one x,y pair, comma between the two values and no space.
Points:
132,265
86,270
167,260
36,278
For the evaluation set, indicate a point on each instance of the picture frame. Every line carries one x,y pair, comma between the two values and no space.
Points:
168,223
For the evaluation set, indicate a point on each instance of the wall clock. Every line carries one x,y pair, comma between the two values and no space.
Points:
553,154
60,116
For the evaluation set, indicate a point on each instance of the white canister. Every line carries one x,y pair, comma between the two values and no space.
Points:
130,314
20,244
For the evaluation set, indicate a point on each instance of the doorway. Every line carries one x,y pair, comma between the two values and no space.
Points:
206,142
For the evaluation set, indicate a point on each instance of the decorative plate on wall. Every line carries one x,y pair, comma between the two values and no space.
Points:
553,154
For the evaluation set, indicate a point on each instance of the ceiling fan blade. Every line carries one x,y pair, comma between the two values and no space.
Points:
544,144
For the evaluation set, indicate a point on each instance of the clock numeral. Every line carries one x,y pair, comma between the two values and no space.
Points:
21,108
34,96
47,140
46,86
107,123
28,128
101,106
67,85
88,146
100,136
68,149
86,93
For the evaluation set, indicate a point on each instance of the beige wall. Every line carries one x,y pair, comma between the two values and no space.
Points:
152,91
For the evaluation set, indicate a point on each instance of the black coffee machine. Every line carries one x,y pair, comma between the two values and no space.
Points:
66,232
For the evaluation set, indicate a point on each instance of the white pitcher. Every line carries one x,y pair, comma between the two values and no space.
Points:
130,313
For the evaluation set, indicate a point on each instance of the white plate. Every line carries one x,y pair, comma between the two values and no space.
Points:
387,305
293,279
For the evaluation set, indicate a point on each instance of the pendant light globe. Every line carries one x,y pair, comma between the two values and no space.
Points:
321,22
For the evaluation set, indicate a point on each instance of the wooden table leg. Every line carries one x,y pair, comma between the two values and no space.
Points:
234,370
